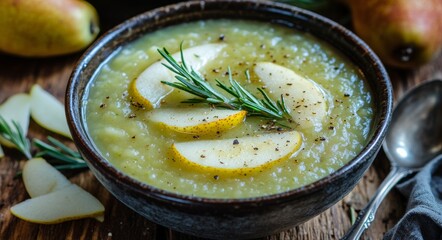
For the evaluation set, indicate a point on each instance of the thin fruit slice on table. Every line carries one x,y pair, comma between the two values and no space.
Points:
304,99
17,109
237,155
41,178
69,203
48,112
199,121
148,90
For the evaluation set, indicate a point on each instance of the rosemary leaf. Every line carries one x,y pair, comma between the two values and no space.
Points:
64,148
224,87
60,152
71,166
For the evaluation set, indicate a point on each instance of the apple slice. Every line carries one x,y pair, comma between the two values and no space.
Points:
197,121
69,203
48,112
148,90
237,155
41,178
304,98
17,109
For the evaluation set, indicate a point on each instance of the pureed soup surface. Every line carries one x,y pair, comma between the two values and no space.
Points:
125,136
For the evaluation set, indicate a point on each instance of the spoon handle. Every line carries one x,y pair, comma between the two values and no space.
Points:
366,216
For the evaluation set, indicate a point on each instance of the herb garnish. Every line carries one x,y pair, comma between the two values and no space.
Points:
60,156
194,83
15,135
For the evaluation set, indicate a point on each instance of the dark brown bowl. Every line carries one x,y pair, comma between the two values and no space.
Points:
229,218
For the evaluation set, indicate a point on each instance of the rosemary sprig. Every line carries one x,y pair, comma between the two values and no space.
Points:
58,154
241,99
16,136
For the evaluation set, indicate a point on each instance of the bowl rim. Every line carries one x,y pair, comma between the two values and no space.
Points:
86,145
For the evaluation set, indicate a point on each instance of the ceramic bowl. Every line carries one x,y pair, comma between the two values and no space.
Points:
229,218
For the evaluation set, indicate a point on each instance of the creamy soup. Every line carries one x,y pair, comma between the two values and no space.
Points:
120,126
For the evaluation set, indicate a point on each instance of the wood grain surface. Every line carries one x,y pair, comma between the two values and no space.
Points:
18,75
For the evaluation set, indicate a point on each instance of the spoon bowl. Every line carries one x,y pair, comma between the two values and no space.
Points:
415,134
413,139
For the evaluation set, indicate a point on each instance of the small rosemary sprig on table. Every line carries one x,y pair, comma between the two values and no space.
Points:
59,155
241,99
16,136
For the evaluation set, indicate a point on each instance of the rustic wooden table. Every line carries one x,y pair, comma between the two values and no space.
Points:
18,75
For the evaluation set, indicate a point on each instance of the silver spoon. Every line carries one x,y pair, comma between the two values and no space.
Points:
413,139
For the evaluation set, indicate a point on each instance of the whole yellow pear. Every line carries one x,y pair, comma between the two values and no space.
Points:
41,28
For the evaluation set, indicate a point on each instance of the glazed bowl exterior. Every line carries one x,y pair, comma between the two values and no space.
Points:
229,218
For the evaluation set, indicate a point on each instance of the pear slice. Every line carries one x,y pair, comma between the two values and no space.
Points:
17,109
41,178
303,97
69,203
148,90
237,155
48,112
199,121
